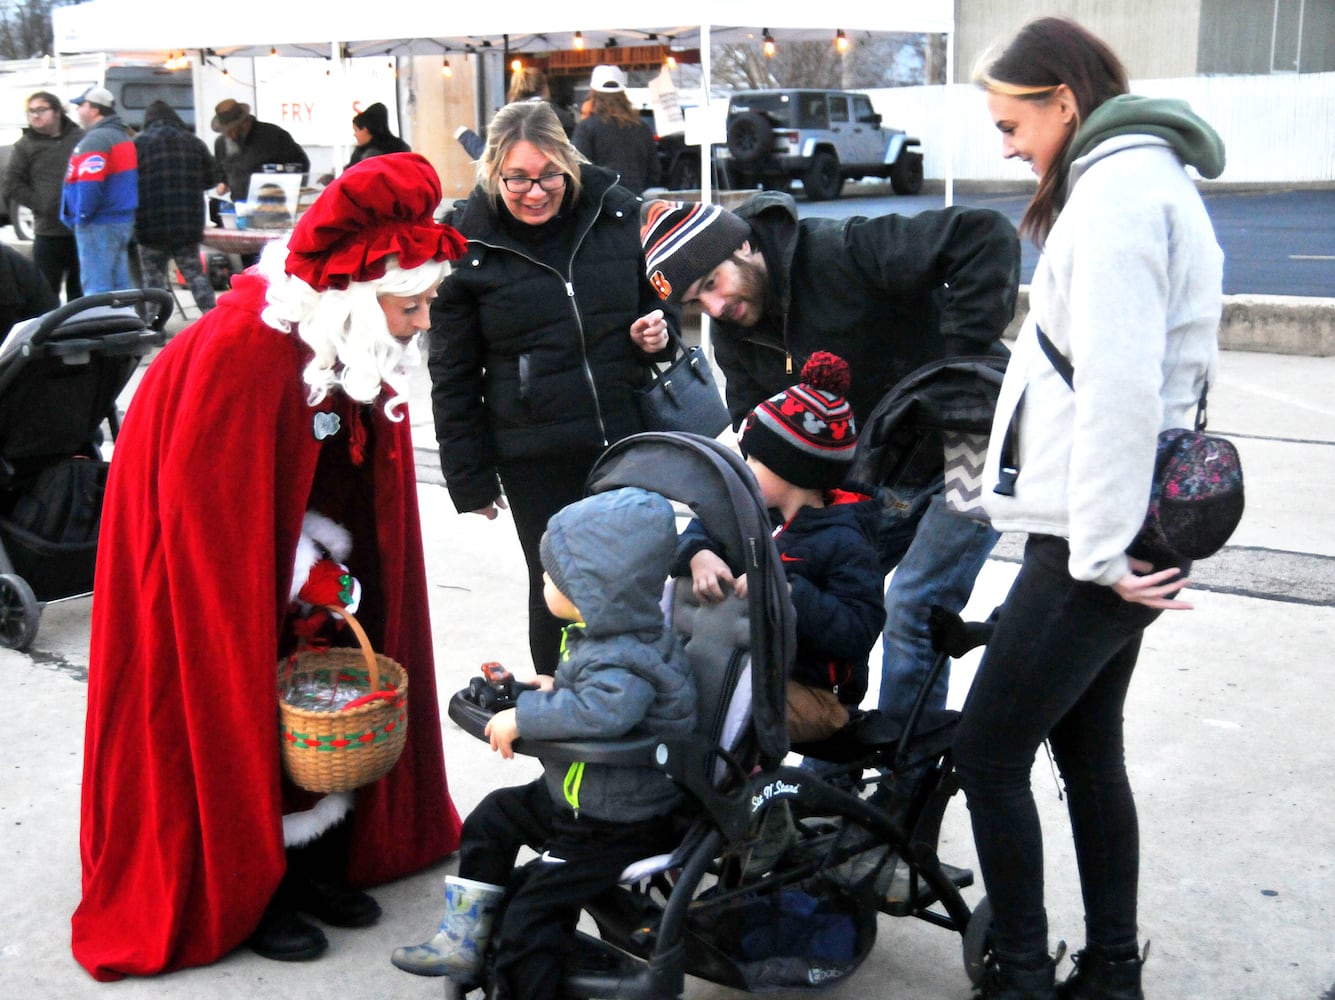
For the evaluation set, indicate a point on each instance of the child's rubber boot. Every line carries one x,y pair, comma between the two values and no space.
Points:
461,941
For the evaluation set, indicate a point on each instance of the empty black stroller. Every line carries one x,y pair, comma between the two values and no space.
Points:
805,915
60,375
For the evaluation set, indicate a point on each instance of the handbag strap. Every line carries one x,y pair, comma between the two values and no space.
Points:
1067,371
1009,468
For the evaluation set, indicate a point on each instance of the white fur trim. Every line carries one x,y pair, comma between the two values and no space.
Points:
316,531
336,539
303,827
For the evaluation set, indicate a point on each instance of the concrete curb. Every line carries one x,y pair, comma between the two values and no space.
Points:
1272,324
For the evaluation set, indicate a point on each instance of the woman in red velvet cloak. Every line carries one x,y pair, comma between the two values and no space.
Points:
281,408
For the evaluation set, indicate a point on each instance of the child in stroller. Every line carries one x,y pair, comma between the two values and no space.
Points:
620,669
701,909
60,375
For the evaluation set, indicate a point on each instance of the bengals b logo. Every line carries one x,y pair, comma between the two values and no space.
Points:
661,285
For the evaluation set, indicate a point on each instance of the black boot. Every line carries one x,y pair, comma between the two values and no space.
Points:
1010,982
282,935
315,880
1098,977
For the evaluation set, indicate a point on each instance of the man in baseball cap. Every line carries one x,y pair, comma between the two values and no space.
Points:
101,193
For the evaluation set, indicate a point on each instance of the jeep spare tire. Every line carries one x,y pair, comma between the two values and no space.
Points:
749,137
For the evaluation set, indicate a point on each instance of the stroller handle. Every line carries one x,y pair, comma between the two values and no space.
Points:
121,299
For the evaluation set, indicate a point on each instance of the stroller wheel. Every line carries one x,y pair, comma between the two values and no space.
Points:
18,612
978,941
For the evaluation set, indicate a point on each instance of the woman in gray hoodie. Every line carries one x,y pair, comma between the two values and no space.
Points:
1128,290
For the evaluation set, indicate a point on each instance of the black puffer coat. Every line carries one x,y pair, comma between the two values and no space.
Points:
530,352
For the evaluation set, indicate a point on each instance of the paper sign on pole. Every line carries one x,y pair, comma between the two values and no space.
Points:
668,118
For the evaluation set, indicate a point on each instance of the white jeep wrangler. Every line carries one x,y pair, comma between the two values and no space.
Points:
821,137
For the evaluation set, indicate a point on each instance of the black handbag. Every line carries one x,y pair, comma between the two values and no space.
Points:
683,396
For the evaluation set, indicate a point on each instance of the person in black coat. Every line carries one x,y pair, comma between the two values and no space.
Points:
613,136
371,130
531,355
24,292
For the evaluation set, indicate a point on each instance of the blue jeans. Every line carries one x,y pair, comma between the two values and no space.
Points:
104,256
1057,667
936,554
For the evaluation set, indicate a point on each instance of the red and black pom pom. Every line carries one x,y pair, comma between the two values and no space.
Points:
827,372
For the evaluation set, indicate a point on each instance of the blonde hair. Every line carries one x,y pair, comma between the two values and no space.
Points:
346,328
527,82
533,122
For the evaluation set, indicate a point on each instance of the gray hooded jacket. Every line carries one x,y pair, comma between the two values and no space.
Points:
622,671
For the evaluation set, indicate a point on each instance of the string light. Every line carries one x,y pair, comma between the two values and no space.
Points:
445,68
671,60
767,42
579,41
273,51
841,41
516,65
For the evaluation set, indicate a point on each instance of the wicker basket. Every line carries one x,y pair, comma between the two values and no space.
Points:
336,750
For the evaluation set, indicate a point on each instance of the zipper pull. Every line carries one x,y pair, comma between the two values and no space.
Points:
788,362
570,290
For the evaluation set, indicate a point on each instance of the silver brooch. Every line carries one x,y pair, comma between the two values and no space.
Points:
326,425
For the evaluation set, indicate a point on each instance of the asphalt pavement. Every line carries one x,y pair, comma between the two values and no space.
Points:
1227,724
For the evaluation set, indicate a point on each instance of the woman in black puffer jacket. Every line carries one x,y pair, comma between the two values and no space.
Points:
532,364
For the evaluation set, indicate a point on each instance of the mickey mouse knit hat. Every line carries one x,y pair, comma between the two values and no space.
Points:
377,208
684,241
806,433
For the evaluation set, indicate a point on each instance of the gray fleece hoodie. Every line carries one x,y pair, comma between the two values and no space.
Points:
1129,289
621,671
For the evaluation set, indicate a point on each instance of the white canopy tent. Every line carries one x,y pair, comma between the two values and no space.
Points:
338,31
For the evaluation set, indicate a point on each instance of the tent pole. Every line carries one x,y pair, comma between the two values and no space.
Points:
951,121
706,163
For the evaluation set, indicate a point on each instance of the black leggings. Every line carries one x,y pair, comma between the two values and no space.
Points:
535,490
1057,667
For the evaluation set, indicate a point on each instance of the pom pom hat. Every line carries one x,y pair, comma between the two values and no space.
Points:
381,207
684,241
806,434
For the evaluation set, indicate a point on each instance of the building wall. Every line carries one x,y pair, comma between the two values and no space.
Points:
1153,38
1161,40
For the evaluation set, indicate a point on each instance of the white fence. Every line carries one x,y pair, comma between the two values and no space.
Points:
1276,129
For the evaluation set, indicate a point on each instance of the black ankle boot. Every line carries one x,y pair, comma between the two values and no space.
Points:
1097,977
285,937
1008,982
314,881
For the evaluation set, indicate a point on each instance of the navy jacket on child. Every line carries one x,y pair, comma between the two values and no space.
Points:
830,558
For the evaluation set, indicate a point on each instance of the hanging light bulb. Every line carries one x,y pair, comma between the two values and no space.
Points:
841,41
579,41
767,41
273,51
445,68
516,65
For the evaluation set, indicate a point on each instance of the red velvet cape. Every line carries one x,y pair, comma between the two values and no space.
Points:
181,824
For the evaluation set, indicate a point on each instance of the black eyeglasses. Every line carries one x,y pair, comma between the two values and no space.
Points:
34,112
523,185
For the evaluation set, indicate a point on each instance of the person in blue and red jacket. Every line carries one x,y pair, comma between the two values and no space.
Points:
101,193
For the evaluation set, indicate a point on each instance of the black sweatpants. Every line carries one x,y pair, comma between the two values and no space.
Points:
580,858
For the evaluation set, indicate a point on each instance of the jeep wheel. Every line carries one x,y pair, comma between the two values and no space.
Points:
822,181
749,137
20,216
685,173
906,174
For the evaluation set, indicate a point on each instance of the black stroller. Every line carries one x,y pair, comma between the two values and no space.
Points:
60,375
725,906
